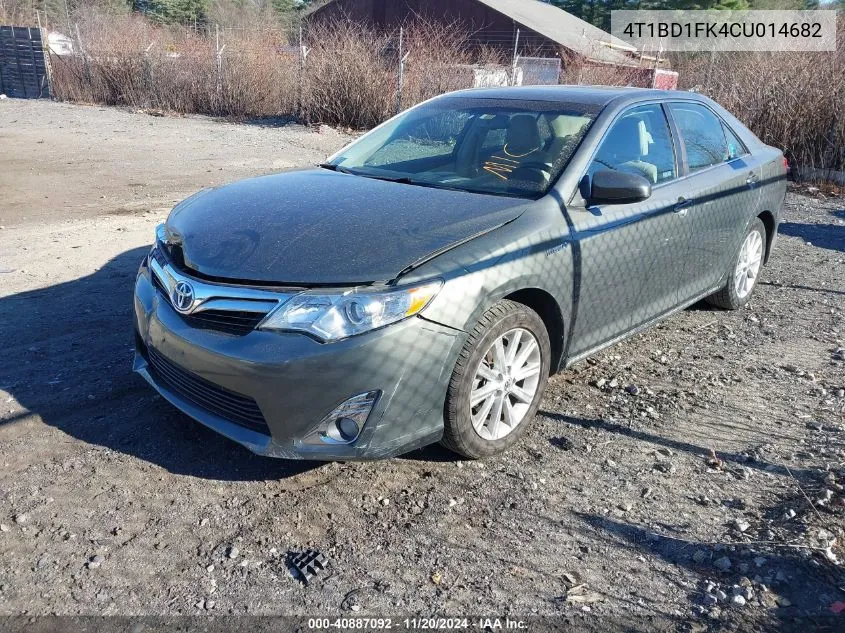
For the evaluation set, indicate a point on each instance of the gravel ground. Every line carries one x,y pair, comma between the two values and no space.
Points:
692,471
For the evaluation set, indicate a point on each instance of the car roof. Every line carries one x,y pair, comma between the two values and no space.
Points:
588,95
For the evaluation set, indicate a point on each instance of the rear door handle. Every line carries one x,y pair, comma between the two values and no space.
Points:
682,206
752,179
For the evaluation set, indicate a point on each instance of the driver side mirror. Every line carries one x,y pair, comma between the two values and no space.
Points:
616,187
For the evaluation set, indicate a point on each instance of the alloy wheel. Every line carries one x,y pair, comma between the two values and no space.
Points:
748,266
505,384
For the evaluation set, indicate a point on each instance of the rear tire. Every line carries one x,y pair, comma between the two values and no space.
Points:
498,381
745,271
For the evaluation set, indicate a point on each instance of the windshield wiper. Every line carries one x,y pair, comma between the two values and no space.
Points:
344,170
333,167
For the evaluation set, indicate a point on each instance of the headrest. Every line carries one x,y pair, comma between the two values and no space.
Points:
523,135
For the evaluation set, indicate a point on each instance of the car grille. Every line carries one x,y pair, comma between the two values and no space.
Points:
236,322
223,403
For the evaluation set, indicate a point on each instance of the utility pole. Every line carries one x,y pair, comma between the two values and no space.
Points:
303,55
403,56
515,58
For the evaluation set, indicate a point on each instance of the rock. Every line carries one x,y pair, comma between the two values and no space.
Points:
700,556
613,384
741,525
738,601
601,382
839,393
710,599
209,568
625,507
632,389
830,556
385,502
453,502
723,563
721,595
760,561
232,552
4,527
815,425
95,561
789,514
826,497
664,467
748,593
792,369
21,518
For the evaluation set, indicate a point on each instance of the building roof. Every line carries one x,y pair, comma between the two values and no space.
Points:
560,26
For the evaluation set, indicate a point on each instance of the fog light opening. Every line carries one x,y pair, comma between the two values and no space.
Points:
345,423
343,430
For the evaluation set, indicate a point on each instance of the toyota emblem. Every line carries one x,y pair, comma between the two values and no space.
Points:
183,296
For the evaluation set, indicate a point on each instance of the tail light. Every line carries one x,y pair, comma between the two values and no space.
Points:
785,164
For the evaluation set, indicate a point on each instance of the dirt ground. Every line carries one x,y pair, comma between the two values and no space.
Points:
692,472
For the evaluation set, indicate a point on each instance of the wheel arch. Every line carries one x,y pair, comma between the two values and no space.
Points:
768,219
547,307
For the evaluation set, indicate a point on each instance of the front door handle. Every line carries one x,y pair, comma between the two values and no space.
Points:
682,206
752,179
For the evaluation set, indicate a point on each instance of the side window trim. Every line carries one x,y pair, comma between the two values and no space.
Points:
681,165
728,128
676,146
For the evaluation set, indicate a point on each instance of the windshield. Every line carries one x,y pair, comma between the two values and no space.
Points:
495,146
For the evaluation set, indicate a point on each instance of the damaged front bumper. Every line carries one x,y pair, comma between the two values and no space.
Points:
275,392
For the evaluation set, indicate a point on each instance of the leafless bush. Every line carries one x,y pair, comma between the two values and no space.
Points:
127,61
348,79
439,60
577,71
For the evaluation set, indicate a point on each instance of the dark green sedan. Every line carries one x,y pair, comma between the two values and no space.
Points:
424,283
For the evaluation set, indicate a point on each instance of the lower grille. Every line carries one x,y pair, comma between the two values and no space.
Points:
226,404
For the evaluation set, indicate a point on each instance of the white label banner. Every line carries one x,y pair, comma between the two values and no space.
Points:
691,31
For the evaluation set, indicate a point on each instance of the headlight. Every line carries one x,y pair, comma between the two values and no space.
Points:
331,316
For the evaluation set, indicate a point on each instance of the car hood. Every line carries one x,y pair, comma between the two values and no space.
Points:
319,227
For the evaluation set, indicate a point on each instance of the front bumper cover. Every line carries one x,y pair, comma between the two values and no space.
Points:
296,381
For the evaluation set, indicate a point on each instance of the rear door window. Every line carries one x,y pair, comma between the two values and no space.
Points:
702,133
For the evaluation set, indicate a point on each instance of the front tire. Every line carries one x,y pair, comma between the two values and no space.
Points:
498,381
746,269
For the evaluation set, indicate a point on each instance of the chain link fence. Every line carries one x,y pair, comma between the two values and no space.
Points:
343,74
